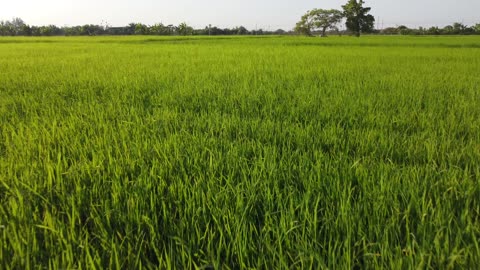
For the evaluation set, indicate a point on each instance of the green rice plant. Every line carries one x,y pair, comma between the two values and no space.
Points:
239,152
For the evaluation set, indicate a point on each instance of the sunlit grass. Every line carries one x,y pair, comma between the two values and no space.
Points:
281,152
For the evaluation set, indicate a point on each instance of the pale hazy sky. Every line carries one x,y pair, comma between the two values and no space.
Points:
266,14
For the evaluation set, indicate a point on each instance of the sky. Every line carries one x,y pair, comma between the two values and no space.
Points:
265,14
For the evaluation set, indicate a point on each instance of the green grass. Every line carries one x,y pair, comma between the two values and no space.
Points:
266,153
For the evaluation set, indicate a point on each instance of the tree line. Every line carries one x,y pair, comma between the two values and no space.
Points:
17,27
317,21
358,20
454,29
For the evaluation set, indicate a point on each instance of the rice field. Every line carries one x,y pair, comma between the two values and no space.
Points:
240,153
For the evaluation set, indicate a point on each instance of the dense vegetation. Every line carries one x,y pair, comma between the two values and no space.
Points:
454,29
18,27
275,153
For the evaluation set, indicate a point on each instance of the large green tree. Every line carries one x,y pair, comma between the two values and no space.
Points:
319,19
305,25
358,19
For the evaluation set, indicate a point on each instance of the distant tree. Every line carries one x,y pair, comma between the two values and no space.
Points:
26,30
141,29
15,27
35,30
227,31
389,31
258,32
241,31
50,30
200,32
204,32
318,19
358,19
477,28
184,29
404,30
158,29
213,30
448,30
421,31
470,30
6,28
434,31
71,31
130,29
459,28
89,30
